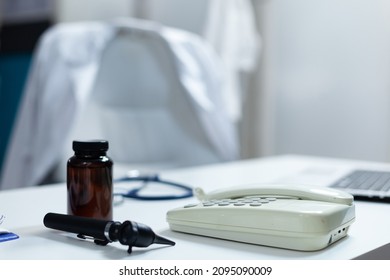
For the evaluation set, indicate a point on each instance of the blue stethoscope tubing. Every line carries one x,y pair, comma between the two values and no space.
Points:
134,193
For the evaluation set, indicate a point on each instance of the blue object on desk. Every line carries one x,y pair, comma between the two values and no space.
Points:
7,236
152,178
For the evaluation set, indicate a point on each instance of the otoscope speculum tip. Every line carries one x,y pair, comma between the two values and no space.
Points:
163,240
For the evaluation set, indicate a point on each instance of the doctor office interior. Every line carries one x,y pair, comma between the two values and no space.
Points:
205,81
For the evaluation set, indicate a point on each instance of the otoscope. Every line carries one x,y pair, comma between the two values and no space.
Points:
103,232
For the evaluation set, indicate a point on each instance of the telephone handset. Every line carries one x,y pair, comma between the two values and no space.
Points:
298,191
287,216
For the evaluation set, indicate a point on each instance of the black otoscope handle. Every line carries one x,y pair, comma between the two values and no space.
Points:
82,226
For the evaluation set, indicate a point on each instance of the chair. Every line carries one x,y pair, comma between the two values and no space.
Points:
154,92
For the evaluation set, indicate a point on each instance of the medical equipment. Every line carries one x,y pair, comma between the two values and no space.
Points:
136,176
103,231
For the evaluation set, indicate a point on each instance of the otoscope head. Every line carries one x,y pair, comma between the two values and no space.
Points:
136,234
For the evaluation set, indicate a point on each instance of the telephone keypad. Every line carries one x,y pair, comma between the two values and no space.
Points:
243,201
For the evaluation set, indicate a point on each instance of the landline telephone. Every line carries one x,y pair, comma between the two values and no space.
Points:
285,216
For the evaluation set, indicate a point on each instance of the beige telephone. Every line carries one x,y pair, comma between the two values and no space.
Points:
293,217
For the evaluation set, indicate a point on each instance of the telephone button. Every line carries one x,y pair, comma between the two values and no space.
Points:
239,204
190,205
255,204
226,203
208,204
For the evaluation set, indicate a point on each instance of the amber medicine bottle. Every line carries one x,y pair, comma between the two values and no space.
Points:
89,180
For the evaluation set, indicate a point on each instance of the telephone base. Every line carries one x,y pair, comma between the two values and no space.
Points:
299,242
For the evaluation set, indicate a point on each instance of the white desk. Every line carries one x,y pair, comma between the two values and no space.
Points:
25,209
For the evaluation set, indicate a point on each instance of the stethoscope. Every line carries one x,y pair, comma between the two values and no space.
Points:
135,176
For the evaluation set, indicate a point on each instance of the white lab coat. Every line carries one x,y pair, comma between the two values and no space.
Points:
230,28
65,64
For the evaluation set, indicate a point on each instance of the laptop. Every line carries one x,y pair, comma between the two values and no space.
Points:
364,180
365,184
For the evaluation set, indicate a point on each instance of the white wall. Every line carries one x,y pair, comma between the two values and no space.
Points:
327,78
185,14
75,10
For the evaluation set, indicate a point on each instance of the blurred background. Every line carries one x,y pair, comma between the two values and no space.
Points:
320,84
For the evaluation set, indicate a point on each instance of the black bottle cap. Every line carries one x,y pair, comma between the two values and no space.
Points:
90,146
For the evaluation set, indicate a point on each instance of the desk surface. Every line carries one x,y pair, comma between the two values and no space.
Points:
25,208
